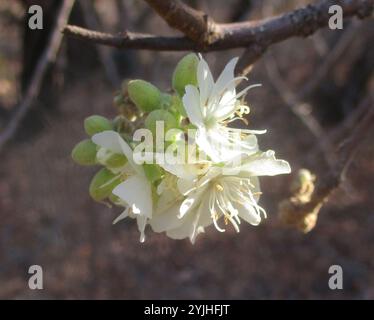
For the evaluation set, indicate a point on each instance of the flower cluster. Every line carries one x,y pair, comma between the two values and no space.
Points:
202,172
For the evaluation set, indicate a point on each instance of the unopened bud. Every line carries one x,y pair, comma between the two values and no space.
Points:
102,184
177,105
96,124
109,159
84,153
185,73
168,119
144,94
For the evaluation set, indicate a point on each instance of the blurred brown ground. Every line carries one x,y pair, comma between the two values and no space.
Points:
47,217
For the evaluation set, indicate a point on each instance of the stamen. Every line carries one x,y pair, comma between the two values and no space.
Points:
219,187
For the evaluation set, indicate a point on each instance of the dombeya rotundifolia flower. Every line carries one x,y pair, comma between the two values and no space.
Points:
223,191
210,106
136,190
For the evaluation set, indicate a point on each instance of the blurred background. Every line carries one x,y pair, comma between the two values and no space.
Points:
312,90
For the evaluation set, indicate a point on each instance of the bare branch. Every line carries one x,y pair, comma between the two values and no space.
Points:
253,35
92,20
195,24
299,108
49,54
131,40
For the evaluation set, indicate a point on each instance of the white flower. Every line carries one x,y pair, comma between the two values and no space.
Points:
136,190
226,192
211,106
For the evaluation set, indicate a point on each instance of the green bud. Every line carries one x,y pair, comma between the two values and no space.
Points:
102,184
185,73
109,159
115,199
177,105
118,100
160,115
95,124
166,101
84,153
144,94
153,172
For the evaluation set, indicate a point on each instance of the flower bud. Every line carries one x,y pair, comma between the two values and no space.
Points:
185,73
118,100
110,159
144,94
153,172
166,101
115,199
95,124
160,115
177,105
102,184
84,153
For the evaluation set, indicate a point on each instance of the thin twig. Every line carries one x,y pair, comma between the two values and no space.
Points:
49,55
299,108
296,102
345,154
329,61
107,61
250,34
301,22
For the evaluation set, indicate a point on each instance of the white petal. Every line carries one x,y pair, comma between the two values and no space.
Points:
188,204
203,219
122,216
193,224
184,230
204,141
191,103
136,192
192,201
141,222
108,140
112,141
265,164
248,213
205,81
226,77
183,171
224,93
127,151
166,220
185,186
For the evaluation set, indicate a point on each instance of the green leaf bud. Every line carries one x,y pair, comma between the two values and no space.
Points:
185,73
144,94
109,159
95,124
177,105
160,115
102,184
84,153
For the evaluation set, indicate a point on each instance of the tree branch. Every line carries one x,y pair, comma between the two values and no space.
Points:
131,40
254,35
196,25
48,55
